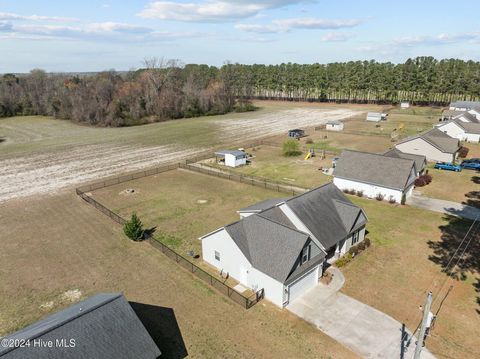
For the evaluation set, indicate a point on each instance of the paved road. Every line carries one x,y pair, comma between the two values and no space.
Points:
447,207
365,330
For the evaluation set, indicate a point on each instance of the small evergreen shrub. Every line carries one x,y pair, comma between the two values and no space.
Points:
361,246
133,228
379,197
341,262
359,193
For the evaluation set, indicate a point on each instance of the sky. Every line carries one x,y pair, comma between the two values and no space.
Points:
90,35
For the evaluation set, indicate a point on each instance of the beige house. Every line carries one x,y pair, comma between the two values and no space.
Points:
435,145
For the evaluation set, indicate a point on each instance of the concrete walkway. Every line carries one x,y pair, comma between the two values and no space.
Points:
365,330
442,206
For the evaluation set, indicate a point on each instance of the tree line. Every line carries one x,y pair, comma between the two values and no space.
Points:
160,91
168,90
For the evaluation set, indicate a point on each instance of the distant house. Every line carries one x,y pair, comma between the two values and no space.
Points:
463,131
404,104
376,116
420,160
448,115
231,158
103,326
472,107
466,117
373,174
334,125
434,145
281,245
296,133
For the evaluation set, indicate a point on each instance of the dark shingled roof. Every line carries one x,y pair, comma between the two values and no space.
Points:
327,213
270,247
468,116
262,205
103,326
375,169
438,139
465,104
419,160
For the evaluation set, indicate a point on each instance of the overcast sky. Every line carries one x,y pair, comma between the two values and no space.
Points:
92,35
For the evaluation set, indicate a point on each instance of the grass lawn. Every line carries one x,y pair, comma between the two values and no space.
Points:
453,186
395,273
182,203
270,163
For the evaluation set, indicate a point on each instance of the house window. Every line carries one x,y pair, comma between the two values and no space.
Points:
355,237
217,256
305,254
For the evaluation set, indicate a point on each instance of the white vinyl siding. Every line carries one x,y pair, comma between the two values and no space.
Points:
299,287
419,146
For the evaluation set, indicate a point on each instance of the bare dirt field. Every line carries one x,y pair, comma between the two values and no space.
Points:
39,157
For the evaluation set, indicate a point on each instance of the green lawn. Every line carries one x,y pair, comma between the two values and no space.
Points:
394,274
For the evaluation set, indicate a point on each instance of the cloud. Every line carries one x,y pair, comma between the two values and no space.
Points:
91,31
441,39
336,37
15,17
210,10
286,25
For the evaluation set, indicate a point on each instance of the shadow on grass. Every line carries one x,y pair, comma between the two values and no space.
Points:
473,196
454,257
162,326
148,233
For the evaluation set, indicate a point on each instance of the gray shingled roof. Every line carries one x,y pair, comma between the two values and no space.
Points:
468,116
469,127
465,104
270,247
438,139
375,169
452,113
262,205
327,213
103,326
419,160
236,153
334,122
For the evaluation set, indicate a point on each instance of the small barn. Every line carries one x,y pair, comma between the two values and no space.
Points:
375,116
334,125
404,104
296,133
231,158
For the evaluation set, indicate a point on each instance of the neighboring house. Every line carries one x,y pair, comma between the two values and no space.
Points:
234,158
434,145
404,104
463,131
296,133
281,245
466,117
374,116
420,160
464,105
373,174
103,326
334,125
448,115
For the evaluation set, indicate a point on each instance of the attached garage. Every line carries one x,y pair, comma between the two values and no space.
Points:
299,287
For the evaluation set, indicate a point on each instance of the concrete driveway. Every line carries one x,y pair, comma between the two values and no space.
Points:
442,206
365,330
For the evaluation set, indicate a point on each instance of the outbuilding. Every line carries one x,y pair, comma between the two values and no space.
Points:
334,125
376,116
231,158
404,104
374,175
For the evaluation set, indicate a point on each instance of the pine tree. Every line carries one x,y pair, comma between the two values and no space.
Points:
133,228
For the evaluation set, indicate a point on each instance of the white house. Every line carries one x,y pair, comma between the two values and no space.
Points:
466,117
464,105
404,104
233,158
434,145
334,125
281,245
374,175
463,131
374,116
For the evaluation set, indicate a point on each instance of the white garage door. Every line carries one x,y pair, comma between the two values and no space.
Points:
298,288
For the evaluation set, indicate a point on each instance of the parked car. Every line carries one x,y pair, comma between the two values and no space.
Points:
447,166
470,165
474,160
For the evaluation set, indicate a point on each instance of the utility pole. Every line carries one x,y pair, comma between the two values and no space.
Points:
423,328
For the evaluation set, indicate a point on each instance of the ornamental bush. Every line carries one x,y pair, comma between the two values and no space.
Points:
133,228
